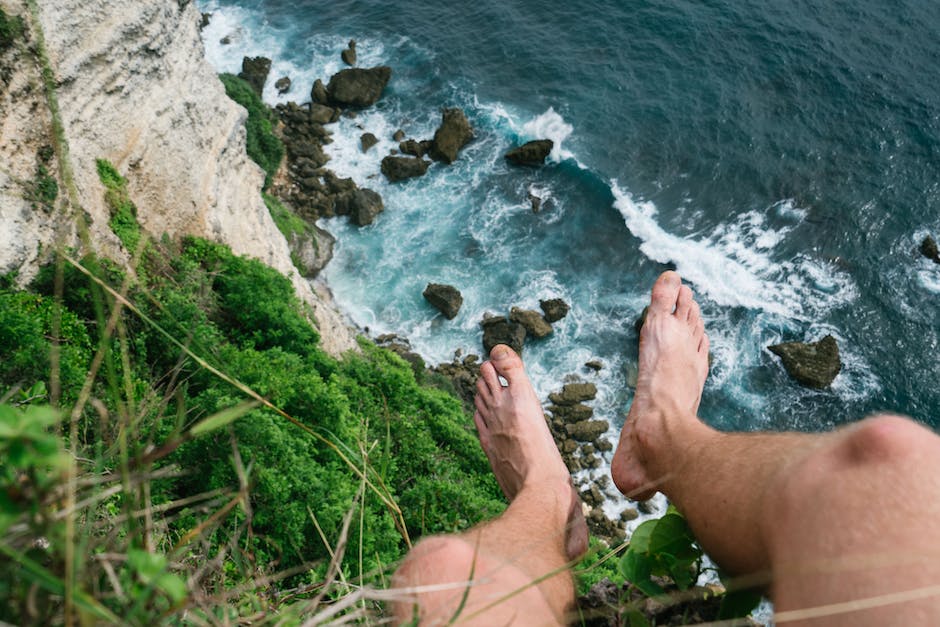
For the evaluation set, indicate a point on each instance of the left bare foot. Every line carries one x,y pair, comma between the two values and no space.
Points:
517,441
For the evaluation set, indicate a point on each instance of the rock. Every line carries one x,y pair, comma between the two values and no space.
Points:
535,201
573,393
928,248
401,168
282,85
531,153
604,445
499,330
322,114
318,94
364,206
571,413
412,147
555,309
587,449
595,364
453,134
368,140
311,251
570,446
535,325
587,430
399,135
226,40
255,72
446,298
349,54
358,87
204,19
629,514
813,364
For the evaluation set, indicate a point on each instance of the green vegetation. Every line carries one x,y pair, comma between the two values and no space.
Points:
11,29
264,147
123,212
287,221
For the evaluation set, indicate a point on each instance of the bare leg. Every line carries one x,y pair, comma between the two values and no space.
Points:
537,535
837,522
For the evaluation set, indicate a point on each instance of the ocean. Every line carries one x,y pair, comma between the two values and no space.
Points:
783,157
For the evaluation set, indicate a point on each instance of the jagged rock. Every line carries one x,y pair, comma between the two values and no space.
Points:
573,393
587,430
358,87
446,298
595,364
312,250
401,168
364,206
204,19
571,413
349,54
587,449
282,85
535,325
318,94
569,446
453,134
255,72
368,140
412,147
813,364
928,248
555,309
500,330
322,114
226,40
399,135
531,153
604,445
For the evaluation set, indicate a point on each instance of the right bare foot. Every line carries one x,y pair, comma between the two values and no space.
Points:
673,365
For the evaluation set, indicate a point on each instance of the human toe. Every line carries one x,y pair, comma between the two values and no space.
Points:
665,293
507,363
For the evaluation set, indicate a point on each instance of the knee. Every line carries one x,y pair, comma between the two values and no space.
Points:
882,438
441,558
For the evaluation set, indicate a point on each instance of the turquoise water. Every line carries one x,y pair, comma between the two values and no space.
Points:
782,156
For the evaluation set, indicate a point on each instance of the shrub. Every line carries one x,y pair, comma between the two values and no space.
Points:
123,212
263,146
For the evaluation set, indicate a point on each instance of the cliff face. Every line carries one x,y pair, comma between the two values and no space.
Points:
134,88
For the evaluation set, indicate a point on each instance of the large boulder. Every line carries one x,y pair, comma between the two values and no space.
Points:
453,134
500,330
311,250
814,364
255,72
401,168
535,325
928,248
446,298
573,393
531,153
364,206
358,87
554,308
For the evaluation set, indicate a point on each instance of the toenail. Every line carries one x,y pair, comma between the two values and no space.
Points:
499,353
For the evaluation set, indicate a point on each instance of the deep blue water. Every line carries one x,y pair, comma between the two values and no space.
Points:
783,156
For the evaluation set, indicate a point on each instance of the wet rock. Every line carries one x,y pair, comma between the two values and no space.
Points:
446,298
928,248
535,202
358,87
255,72
401,168
573,464
535,325
367,141
595,364
322,114
399,135
531,153
225,41
282,85
604,445
318,94
453,134
349,54
587,430
555,309
813,364
629,514
312,250
574,393
204,19
365,206
412,147
571,413
500,330
569,446
587,449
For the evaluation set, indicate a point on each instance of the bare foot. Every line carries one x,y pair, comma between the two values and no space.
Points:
517,441
672,369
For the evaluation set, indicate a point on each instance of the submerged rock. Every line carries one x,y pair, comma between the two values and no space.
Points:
401,168
555,309
453,134
255,72
500,330
535,325
446,298
814,364
928,248
358,87
531,153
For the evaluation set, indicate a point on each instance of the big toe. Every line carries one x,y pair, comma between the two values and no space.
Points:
665,292
507,363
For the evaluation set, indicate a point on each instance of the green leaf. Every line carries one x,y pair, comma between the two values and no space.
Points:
738,603
222,418
636,569
671,535
147,565
172,585
640,540
635,618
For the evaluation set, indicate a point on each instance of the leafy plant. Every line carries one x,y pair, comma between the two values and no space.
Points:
123,212
262,145
664,547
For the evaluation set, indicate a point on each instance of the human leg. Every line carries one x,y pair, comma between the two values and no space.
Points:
788,506
525,549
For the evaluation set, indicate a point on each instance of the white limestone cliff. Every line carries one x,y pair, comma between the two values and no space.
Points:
134,88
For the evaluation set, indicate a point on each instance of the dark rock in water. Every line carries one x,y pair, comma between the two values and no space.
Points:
573,393
555,309
535,325
500,330
535,201
446,298
349,54
928,248
368,140
595,364
282,85
204,20
255,72
587,430
412,147
358,87
453,134
399,135
226,40
364,206
813,364
571,413
401,168
318,93
531,153
322,114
